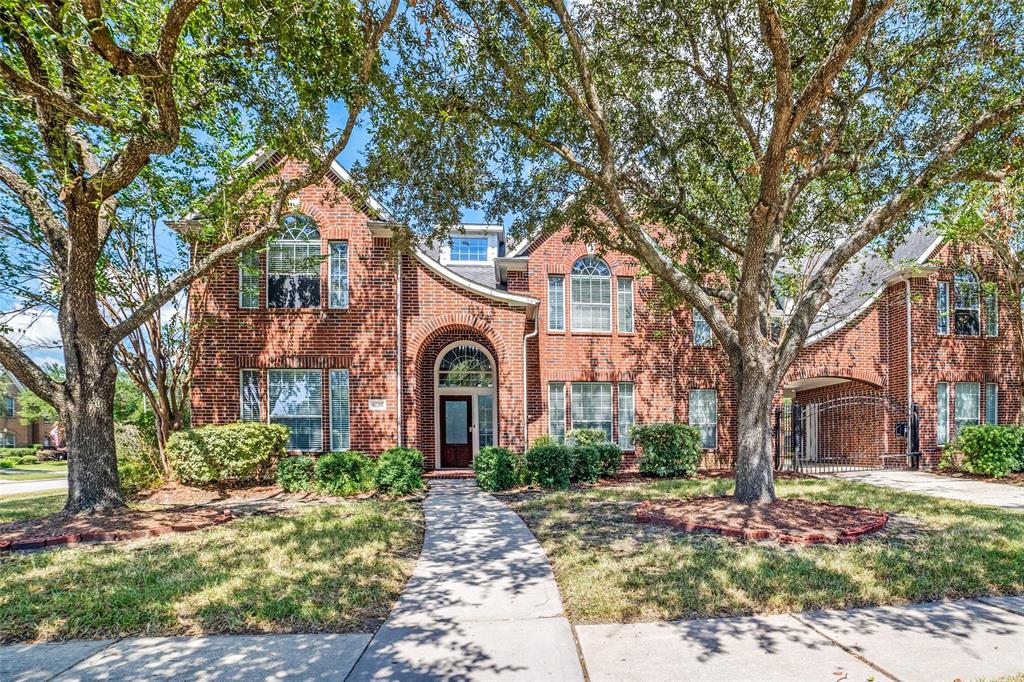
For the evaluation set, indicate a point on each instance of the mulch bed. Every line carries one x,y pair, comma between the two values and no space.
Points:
787,521
123,524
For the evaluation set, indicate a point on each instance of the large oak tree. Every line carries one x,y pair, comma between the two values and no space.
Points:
744,152
96,98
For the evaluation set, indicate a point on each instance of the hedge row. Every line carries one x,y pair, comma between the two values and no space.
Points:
398,471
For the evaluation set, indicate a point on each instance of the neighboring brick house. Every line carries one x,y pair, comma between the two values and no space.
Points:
481,342
14,434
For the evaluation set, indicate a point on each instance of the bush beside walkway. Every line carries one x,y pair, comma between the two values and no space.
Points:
610,569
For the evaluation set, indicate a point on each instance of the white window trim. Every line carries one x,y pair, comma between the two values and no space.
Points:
991,316
689,409
956,392
611,406
489,232
941,435
319,274
573,278
330,411
270,419
348,275
618,305
559,330
473,391
241,393
943,284
995,402
625,439
559,438
694,315
241,284
976,308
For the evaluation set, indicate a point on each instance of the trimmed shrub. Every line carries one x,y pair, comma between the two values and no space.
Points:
586,463
496,468
16,453
550,465
399,471
8,463
295,474
610,456
343,473
28,459
990,450
667,449
239,453
585,437
138,460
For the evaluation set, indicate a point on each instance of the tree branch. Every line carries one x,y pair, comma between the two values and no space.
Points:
30,88
30,374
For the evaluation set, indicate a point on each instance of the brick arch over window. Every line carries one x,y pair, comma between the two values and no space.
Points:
831,372
427,351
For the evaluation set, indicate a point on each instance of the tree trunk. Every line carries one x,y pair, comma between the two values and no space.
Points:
88,417
755,390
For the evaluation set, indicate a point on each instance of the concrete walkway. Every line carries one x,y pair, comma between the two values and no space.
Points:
18,487
963,489
482,602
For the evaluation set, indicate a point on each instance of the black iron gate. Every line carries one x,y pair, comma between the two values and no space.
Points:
850,433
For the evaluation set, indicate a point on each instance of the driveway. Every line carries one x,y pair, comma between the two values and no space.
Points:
965,490
17,487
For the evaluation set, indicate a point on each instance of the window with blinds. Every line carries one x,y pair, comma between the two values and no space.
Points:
627,415
592,407
991,403
250,392
556,303
339,410
295,399
556,410
991,311
625,300
942,303
967,405
338,274
702,337
485,404
704,415
293,265
249,280
591,283
942,413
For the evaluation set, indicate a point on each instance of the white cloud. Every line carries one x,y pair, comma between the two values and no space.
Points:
36,332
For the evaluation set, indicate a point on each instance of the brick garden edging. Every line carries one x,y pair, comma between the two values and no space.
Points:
222,516
658,514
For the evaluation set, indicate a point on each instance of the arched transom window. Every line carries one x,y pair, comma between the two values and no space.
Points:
591,280
293,264
967,303
465,365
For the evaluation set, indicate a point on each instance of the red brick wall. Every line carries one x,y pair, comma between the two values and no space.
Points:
659,357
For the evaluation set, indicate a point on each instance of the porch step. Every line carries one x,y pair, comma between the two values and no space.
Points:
448,473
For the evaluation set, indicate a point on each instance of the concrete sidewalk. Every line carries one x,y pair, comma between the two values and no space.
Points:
482,602
18,487
962,489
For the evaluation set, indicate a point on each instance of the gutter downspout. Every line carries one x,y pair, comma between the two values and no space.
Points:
526,388
398,349
910,372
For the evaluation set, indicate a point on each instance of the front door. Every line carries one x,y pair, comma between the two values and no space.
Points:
456,431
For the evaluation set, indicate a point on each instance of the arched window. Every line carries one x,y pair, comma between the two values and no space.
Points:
465,365
591,295
293,264
967,303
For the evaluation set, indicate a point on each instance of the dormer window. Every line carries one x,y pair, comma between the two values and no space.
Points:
469,249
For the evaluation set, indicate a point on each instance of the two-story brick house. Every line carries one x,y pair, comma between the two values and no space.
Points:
14,433
483,342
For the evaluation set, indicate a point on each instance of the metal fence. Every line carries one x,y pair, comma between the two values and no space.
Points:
850,433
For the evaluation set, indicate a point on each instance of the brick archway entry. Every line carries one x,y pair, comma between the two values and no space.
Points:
456,420
830,424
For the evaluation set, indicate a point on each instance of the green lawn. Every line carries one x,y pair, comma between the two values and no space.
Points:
30,505
611,569
35,472
335,568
